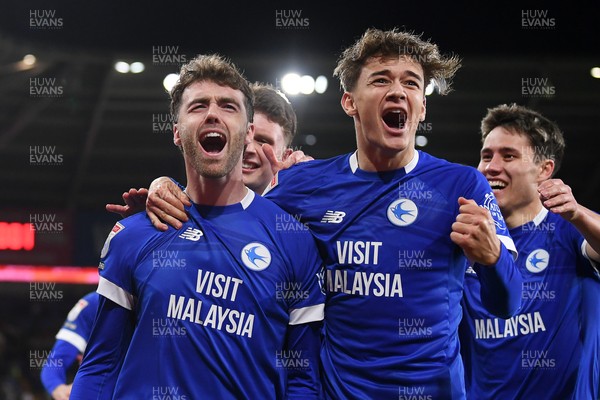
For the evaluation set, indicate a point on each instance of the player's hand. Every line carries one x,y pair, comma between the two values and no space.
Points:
135,201
475,232
558,198
289,158
62,392
165,204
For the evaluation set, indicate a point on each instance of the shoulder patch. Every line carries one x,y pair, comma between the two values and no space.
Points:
116,229
76,310
272,184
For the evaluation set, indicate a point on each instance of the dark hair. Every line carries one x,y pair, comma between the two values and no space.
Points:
276,107
212,68
391,44
544,135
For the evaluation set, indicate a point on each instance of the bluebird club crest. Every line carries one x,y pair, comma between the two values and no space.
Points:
256,256
402,212
537,261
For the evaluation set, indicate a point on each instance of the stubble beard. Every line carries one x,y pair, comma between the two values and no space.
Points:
210,168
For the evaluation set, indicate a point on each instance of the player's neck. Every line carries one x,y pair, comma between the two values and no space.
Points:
222,191
375,159
522,215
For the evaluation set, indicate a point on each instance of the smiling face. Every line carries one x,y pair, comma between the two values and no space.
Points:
212,128
256,168
387,104
514,171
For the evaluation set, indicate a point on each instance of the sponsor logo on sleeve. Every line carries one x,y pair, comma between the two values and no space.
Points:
116,229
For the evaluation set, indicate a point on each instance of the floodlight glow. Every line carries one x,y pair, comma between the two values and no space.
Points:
595,72
291,83
307,84
170,81
321,84
310,140
29,59
122,67
421,141
136,67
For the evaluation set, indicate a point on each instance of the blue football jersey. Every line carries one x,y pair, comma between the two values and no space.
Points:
394,278
78,325
212,303
71,341
549,349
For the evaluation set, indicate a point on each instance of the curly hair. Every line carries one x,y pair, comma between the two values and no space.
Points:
437,68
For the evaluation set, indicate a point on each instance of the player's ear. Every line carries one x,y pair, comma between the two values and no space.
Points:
424,110
176,136
348,104
286,153
546,170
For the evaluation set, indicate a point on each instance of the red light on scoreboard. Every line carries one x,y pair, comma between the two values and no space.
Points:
17,236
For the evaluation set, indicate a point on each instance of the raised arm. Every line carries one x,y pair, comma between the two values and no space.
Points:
558,198
135,201
475,232
166,204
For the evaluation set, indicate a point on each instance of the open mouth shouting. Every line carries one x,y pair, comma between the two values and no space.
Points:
395,119
212,142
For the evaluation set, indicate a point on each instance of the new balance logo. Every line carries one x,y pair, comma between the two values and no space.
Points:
333,217
192,234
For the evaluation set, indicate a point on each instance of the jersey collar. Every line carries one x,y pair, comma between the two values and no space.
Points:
540,216
248,198
407,169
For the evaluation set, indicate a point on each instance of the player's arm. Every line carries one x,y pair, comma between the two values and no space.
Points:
558,198
135,201
304,340
107,346
475,232
54,373
500,285
62,392
164,202
166,199
306,312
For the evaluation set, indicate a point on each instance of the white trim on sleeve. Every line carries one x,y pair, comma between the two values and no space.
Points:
72,337
594,264
113,292
307,314
509,244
